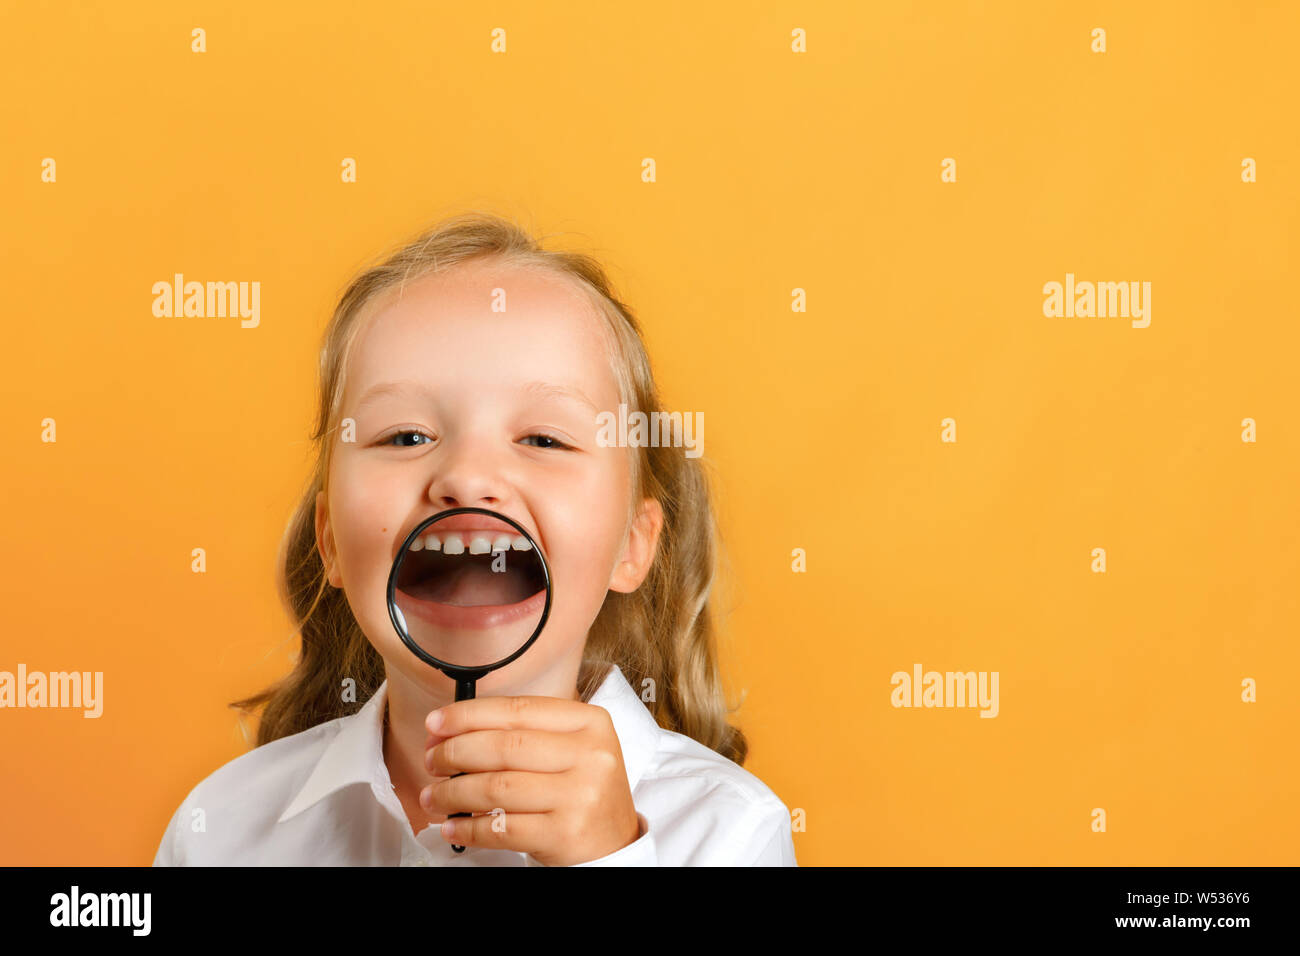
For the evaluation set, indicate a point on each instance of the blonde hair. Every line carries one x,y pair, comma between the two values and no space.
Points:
663,630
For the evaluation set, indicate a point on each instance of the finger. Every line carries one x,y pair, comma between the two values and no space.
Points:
521,832
484,713
431,742
538,751
511,791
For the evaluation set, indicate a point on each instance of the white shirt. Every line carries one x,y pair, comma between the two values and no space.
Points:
323,797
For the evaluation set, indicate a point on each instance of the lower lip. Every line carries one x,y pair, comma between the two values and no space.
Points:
474,617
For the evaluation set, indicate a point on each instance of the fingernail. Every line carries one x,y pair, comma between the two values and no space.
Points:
426,796
449,828
434,721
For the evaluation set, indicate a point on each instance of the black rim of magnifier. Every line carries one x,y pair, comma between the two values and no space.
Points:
451,670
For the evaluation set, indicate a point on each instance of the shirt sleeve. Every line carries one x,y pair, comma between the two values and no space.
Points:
640,852
773,843
170,852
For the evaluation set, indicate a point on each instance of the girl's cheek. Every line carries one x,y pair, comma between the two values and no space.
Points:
590,550
600,510
365,533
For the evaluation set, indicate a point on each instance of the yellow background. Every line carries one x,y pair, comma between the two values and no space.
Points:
776,171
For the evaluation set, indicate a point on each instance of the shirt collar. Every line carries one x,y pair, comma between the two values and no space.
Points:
356,752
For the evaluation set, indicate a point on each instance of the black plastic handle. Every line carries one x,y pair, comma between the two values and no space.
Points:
465,690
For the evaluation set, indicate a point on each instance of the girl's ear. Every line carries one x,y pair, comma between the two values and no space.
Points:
639,553
325,541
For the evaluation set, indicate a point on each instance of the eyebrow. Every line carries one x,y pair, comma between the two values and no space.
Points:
543,389
551,390
376,392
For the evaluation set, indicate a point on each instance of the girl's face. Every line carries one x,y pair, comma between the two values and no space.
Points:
458,405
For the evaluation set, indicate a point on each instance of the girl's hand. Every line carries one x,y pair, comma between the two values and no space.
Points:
553,766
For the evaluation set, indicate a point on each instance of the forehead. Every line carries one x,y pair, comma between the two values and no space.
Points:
448,329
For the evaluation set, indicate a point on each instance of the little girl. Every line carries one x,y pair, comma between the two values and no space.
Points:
469,370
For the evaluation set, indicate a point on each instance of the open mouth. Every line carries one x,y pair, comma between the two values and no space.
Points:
471,580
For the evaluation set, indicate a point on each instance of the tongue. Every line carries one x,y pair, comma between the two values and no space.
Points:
471,586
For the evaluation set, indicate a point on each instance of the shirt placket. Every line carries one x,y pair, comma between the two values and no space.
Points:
413,853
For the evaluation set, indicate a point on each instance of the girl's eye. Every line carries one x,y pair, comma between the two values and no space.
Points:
389,439
546,441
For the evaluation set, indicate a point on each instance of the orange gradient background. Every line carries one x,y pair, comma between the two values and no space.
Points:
775,171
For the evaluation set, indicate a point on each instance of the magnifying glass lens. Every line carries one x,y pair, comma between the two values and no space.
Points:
470,589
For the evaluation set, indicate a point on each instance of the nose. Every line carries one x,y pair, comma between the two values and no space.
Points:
468,476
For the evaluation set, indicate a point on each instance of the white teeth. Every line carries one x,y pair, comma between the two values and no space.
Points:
480,542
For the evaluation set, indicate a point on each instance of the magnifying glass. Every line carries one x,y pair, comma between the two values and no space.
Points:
469,592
